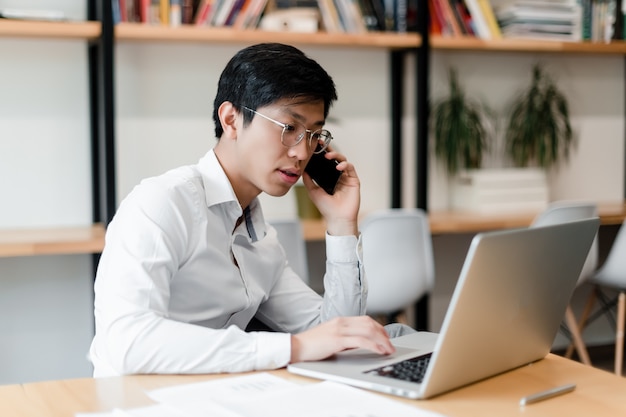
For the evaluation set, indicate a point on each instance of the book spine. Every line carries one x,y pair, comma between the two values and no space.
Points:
176,13
164,12
401,15
490,17
480,24
450,18
115,7
618,20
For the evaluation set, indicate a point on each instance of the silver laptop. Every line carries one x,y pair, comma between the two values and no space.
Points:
509,301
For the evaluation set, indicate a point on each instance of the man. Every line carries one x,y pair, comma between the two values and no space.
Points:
189,260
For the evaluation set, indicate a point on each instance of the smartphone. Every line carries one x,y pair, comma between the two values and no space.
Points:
323,171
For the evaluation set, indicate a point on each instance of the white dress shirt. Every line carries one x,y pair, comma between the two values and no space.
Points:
177,281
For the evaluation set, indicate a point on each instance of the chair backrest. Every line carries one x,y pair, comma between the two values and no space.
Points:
292,240
565,211
613,270
397,258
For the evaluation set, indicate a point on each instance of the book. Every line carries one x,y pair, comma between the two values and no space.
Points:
378,6
154,12
481,27
460,16
203,12
175,13
330,17
370,17
450,18
234,12
144,10
115,11
357,16
164,12
46,15
254,14
221,14
490,17
239,21
439,15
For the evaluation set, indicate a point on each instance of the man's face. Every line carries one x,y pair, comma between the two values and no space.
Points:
264,161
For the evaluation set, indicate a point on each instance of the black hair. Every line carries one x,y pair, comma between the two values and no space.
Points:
262,74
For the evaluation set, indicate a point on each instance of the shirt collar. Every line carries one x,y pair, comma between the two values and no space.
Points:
221,193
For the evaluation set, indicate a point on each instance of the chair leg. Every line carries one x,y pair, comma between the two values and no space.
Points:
619,334
583,319
581,349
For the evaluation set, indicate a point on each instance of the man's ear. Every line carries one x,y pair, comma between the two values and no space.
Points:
228,116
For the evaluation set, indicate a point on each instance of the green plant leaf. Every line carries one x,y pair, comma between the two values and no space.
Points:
539,130
461,129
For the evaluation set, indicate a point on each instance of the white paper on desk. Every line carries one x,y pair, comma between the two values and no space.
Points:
204,409
323,399
246,386
265,395
165,410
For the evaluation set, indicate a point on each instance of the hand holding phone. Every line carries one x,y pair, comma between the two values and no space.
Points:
323,171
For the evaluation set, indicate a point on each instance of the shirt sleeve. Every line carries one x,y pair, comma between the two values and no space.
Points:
294,307
134,331
344,283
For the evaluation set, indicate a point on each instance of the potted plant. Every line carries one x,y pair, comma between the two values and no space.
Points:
539,132
462,129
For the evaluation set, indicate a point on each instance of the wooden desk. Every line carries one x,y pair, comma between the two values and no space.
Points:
598,393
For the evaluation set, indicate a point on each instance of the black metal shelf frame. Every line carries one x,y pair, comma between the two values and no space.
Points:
101,75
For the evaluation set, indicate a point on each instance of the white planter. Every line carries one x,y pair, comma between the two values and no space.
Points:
500,190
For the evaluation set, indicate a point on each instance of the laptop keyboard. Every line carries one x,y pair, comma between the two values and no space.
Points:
412,369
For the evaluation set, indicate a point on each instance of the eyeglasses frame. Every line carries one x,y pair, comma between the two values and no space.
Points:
300,137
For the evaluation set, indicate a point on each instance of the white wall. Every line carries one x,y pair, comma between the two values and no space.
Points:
165,97
45,302
594,87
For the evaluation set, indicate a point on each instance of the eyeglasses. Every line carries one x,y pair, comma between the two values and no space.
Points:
317,140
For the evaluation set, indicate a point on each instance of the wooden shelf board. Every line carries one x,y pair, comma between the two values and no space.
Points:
191,33
57,241
90,239
467,222
526,45
449,222
39,29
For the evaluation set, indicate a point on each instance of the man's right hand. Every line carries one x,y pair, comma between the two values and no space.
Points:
337,335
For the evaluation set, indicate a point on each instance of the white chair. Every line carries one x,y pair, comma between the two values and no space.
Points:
398,260
561,212
612,275
291,238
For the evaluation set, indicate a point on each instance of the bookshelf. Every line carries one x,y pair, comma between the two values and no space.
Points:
423,43
526,45
50,237
509,46
91,31
60,30
190,33
51,241
451,222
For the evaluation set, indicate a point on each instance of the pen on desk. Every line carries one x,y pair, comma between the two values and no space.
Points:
544,395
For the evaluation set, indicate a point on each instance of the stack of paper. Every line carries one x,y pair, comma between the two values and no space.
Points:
265,395
541,19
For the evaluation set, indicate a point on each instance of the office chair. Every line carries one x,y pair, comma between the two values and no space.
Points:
560,212
291,238
611,275
398,261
